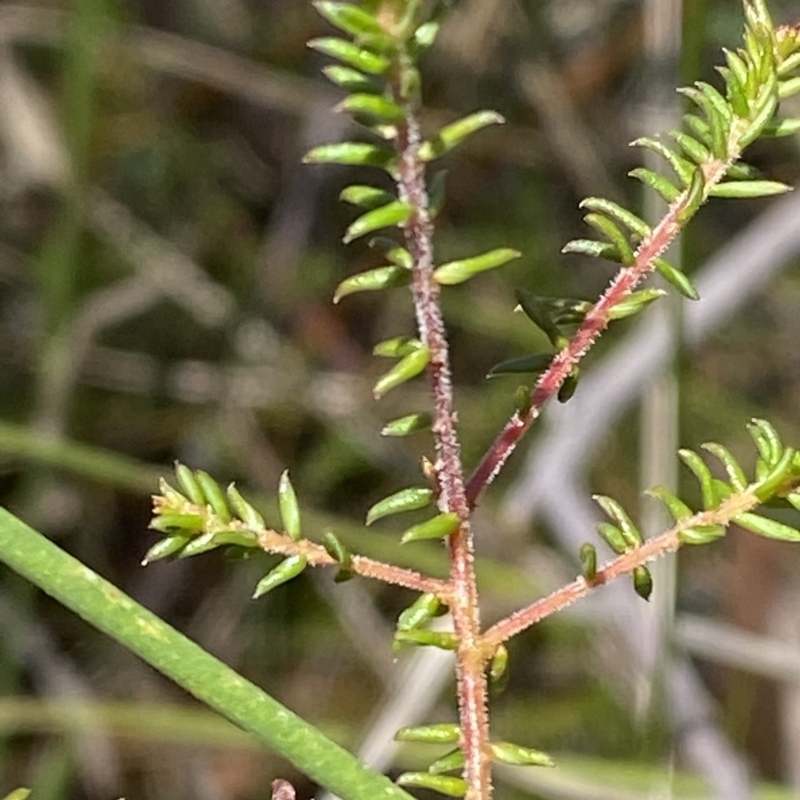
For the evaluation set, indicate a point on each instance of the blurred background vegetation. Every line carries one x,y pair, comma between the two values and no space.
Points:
166,268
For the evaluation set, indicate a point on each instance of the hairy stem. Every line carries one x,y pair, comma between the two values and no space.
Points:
274,542
595,322
667,542
471,679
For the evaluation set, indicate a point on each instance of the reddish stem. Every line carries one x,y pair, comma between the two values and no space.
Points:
464,606
318,556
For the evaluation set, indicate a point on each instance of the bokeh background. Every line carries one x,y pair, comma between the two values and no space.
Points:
166,269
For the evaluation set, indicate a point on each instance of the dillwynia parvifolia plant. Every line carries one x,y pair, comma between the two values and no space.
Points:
376,57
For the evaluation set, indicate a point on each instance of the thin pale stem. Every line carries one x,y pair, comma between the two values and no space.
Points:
464,607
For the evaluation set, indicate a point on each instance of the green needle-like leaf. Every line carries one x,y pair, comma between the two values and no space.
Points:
394,213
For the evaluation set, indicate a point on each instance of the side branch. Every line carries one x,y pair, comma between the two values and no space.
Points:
274,542
594,323
667,542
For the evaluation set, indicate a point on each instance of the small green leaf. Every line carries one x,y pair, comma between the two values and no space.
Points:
634,303
541,312
371,105
703,474
748,189
408,367
336,549
424,608
349,18
788,88
444,784
643,582
616,212
289,507
178,523
373,280
189,483
394,252
697,151
455,133
676,507
695,197
733,469
351,154
199,544
394,213
702,534
623,252
770,528
588,247
453,760
285,571
351,54
18,794
588,557
410,499
508,753
613,537
717,101
214,539
244,511
739,171
777,477
444,640
165,548
455,272
676,279
663,186
569,386
369,197
214,495
766,439
396,347
425,35
630,533
536,363
435,528
348,78
782,127
683,169
439,733
498,666
404,426
765,111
